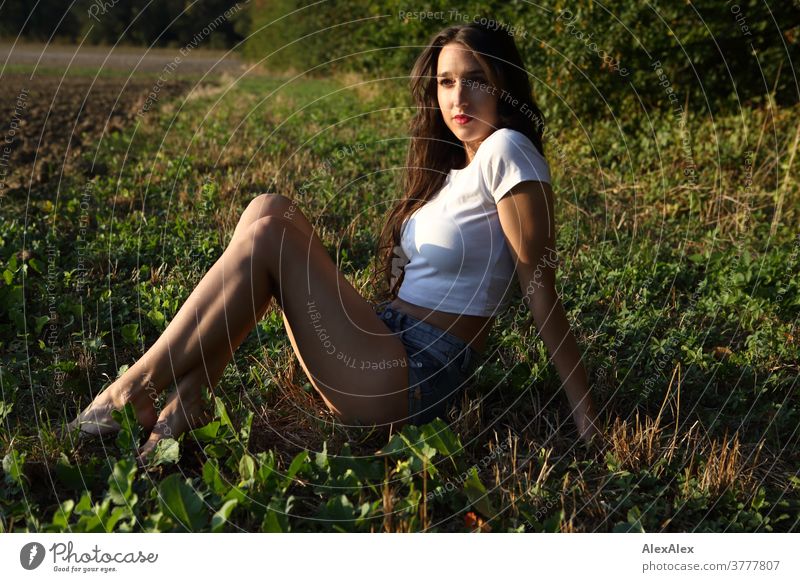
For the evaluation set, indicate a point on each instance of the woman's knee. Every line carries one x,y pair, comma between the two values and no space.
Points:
262,206
269,231
271,204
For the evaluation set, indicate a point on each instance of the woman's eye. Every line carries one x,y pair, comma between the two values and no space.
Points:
466,82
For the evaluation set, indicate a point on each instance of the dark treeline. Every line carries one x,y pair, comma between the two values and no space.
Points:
127,22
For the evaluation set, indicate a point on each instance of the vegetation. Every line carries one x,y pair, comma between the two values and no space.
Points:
163,23
685,305
679,270
585,58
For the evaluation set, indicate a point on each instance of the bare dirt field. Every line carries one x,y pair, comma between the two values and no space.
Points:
58,100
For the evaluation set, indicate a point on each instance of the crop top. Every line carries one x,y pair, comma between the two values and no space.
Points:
457,258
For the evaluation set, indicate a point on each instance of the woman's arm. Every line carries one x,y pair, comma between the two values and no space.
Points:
551,321
526,215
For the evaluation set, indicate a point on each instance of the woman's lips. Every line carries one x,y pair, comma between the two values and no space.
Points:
462,119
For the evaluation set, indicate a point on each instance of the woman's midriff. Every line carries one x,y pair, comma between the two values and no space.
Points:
473,329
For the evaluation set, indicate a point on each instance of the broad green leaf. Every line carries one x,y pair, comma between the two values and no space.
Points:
117,514
130,332
5,410
128,436
244,432
476,493
266,467
93,521
276,519
39,322
634,519
321,458
759,499
236,493
156,318
247,467
297,464
120,482
12,467
167,452
206,433
421,451
553,523
627,527
397,445
85,503
220,518
179,500
366,469
213,478
272,523
62,514
222,413
338,508
442,438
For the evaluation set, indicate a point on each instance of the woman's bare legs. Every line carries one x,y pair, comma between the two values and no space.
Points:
216,317
281,253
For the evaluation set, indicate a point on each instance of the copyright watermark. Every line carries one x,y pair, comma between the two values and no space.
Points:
490,23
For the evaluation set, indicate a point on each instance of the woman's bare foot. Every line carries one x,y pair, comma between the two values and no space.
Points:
96,418
183,411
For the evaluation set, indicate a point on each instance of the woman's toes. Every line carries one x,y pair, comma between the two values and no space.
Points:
143,406
177,417
96,420
161,430
146,414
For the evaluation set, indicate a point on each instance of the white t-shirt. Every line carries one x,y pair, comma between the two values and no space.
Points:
458,258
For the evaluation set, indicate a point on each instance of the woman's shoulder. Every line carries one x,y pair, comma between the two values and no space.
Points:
506,139
506,146
510,157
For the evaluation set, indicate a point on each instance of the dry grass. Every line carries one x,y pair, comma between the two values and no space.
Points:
366,88
723,196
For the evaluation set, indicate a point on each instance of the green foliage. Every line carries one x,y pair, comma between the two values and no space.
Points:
134,22
649,286
585,59
180,500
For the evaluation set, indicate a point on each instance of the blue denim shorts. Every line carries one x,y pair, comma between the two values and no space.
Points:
439,364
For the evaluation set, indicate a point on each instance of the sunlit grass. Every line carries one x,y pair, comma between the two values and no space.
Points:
683,294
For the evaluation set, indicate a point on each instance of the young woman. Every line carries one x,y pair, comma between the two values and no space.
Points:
477,209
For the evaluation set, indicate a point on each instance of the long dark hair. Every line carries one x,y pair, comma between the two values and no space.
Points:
434,150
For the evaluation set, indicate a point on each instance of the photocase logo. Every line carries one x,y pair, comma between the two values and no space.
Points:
31,555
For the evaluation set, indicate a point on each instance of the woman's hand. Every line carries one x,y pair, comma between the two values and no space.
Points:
587,422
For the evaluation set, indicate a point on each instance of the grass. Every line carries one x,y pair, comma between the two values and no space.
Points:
682,289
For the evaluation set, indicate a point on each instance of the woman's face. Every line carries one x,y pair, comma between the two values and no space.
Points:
462,88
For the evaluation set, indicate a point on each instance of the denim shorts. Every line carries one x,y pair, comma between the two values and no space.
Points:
439,364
